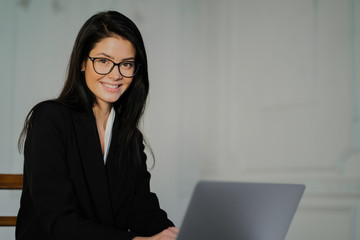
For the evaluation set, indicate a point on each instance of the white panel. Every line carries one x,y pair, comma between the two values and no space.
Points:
290,131
330,223
285,52
7,68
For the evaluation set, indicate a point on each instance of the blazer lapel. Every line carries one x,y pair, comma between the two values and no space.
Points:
93,163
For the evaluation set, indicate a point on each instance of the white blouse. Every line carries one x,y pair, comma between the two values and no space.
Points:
108,132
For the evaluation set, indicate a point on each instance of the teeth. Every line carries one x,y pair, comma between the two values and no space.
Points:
110,86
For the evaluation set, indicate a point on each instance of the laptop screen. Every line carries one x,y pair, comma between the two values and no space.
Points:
238,210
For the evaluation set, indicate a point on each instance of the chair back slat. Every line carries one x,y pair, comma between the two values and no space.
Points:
7,221
11,181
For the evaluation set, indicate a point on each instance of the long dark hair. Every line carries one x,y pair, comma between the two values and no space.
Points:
75,93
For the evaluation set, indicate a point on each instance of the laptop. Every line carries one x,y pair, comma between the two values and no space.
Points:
240,211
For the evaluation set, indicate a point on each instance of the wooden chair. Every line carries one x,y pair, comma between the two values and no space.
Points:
10,181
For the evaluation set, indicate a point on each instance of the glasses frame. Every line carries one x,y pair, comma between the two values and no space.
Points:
137,65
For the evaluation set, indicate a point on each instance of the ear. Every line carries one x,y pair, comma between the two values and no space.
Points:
83,67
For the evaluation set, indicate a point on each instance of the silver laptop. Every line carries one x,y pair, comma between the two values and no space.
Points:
240,211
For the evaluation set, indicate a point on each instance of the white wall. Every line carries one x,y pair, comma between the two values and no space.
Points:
241,90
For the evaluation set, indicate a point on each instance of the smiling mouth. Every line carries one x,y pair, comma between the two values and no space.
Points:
111,86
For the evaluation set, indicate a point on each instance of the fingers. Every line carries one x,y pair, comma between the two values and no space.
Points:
173,229
168,234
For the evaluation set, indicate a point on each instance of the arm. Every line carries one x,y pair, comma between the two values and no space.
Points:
147,218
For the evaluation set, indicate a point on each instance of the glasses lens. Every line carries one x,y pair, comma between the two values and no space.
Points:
127,69
103,65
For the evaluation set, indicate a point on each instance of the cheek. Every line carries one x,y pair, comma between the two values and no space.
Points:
92,82
89,81
90,75
128,81
126,85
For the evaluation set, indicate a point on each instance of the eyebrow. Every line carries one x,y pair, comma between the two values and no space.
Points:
106,55
127,59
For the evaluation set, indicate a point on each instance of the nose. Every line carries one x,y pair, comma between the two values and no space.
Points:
115,74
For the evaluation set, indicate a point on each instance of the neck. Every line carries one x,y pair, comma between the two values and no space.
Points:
101,113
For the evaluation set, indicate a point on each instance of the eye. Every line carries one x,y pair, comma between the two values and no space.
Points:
128,65
103,61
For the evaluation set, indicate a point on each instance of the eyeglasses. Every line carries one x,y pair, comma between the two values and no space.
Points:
104,66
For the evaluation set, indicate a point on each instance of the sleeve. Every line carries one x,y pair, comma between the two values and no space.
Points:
147,217
49,183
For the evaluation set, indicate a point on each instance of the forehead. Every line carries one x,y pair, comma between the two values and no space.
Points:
115,47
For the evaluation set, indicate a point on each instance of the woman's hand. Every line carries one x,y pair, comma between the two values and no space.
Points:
168,234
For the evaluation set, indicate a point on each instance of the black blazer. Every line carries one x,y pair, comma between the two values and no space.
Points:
69,193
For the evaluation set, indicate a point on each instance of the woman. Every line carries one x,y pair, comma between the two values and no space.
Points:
85,174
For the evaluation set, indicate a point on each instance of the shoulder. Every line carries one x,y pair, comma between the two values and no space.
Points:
50,113
51,107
